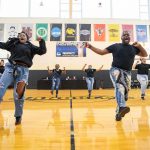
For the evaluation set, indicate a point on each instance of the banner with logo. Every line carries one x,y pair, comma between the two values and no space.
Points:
11,30
55,32
28,28
85,32
70,32
70,49
1,32
128,28
42,31
141,33
99,32
114,32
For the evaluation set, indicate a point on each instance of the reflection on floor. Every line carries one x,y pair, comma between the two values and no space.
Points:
46,122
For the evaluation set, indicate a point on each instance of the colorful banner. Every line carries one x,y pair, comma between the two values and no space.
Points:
114,32
1,32
141,33
70,32
85,32
12,30
42,31
128,28
28,28
56,32
99,32
70,49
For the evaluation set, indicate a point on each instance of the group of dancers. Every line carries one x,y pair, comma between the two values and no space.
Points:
22,53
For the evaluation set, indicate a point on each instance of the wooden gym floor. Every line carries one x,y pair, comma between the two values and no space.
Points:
73,122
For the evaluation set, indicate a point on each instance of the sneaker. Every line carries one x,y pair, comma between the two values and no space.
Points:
118,117
123,111
51,92
142,96
18,120
89,96
56,95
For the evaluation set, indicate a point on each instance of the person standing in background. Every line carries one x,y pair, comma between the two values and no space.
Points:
90,77
142,75
56,78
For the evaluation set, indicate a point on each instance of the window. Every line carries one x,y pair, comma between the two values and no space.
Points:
96,8
44,8
14,8
126,9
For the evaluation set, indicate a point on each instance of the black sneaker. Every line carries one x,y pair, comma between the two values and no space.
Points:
123,111
142,96
118,117
89,96
18,120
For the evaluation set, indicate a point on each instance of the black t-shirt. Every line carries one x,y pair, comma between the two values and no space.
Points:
90,72
57,73
123,55
142,68
2,68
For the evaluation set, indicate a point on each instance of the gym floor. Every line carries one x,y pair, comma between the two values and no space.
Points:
73,122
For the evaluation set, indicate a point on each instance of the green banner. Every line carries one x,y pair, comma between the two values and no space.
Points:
42,31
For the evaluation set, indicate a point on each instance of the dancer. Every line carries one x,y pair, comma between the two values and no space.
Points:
56,78
17,68
120,72
90,77
142,75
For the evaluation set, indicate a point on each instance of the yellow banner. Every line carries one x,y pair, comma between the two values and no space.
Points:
114,32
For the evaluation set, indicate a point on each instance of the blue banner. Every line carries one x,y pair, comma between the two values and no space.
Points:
141,33
70,49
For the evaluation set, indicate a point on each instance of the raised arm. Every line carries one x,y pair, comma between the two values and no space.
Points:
84,67
134,65
49,71
64,71
100,68
41,49
142,52
97,50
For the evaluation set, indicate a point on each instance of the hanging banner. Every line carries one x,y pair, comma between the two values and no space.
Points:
114,32
70,49
70,32
99,32
55,32
28,29
128,28
11,30
1,32
42,31
85,32
141,33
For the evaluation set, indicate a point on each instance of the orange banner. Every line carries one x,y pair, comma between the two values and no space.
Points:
99,32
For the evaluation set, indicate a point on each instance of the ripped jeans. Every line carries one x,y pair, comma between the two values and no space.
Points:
121,80
14,74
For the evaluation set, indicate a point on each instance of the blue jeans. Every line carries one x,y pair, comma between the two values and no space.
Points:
143,79
8,77
90,82
55,84
121,80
